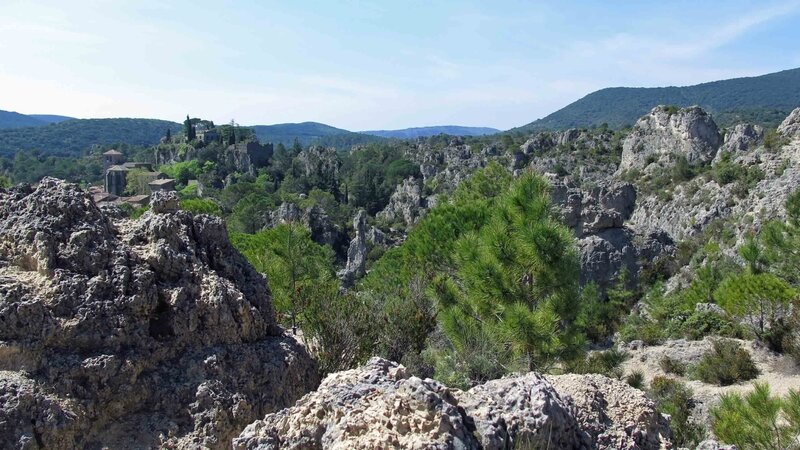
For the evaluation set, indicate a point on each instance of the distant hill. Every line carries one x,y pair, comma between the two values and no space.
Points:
11,119
50,118
765,99
71,137
452,130
311,133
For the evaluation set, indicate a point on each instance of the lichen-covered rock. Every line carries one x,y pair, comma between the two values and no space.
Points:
379,405
614,414
132,333
376,406
790,127
664,134
522,411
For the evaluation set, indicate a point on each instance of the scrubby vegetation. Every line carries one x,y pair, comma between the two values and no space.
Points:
675,399
758,420
725,363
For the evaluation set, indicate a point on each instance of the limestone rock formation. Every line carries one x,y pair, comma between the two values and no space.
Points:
406,205
607,246
741,138
663,134
612,413
125,334
320,162
315,218
790,127
357,252
381,406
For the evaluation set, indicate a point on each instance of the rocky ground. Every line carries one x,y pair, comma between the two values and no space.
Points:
379,405
132,334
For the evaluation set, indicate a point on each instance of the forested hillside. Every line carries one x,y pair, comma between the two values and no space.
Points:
765,100
311,133
73,137
452,130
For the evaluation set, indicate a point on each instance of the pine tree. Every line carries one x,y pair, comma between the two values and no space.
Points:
169,135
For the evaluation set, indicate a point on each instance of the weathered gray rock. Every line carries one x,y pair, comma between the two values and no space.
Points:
320,162
711,444
357,252
315,218
522,410
608,247
406,205
379,405
662,135
614,414
790,127
132,334
376,406
741,138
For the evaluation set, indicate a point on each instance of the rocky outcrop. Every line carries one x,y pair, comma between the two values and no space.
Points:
740,138
664,134
315,218
357,252
790,127
320,162
125,334
246,157
612,413
608,247
380,405
406,205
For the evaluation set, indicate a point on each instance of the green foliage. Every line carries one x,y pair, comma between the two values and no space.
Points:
31,166
764,100
308,133
136,182
675,399
201,206
514,283
725,363
184,171
635,379
759,298
605,363
72,137
5,182
249,214
672,366
758,420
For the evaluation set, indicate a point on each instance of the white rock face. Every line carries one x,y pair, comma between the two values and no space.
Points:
380,406
790,127
661,135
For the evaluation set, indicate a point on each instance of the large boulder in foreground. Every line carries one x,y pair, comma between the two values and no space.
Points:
380,405
132,334
665,134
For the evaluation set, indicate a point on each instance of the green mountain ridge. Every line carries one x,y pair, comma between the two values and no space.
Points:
310,133
412,133
765,99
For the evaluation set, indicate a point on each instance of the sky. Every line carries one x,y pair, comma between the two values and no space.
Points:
372,65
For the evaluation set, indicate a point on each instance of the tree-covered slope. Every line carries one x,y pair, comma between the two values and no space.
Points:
50,118
11,119
452,130
310,133
72,137
765,99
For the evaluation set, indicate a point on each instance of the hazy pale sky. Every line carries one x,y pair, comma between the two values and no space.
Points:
372,65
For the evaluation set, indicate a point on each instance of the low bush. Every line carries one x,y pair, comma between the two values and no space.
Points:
605,363
725,363
675,399
758,420
708,323
672,366
635,379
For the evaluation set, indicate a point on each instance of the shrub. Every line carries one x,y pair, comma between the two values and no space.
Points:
675,399
708,323
637,327
605,363
755,420
672,366
635,379
725,363
201,206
